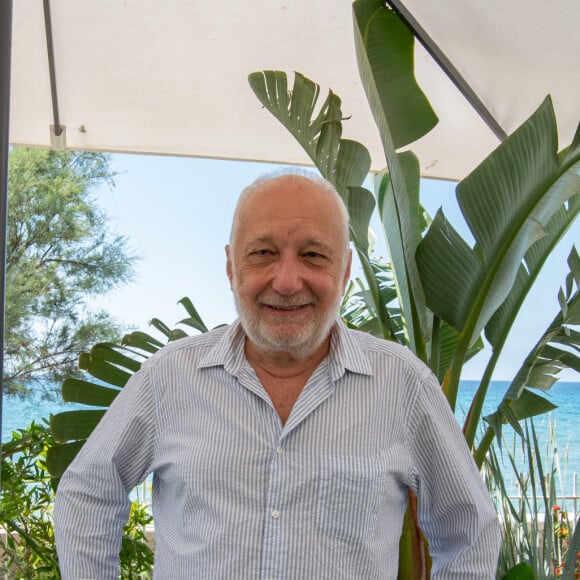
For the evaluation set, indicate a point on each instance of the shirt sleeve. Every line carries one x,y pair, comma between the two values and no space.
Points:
455,510
92,502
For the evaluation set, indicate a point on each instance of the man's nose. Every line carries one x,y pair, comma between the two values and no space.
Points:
287,276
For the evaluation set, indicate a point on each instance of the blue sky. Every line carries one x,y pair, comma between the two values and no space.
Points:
176,213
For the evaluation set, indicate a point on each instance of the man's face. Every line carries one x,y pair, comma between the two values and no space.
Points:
288,266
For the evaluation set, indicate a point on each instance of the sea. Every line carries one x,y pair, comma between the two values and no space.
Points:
558,431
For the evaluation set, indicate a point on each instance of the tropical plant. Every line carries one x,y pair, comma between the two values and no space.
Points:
537,533
27,543
26,506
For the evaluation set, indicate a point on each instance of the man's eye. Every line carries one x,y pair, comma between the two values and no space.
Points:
313,255
261,252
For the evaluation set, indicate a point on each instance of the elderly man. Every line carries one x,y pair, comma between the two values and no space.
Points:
282,446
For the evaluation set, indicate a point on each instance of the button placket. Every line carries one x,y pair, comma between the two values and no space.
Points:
273,526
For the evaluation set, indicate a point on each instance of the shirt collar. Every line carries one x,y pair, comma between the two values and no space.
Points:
228,351
345,352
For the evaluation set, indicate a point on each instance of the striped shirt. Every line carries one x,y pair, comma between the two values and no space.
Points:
236,494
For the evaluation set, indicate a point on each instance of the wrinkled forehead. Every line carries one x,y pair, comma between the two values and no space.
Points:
291,200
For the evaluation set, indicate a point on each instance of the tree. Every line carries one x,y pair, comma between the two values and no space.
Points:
60,254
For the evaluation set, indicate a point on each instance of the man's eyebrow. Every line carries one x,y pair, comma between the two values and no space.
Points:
317,243
258,241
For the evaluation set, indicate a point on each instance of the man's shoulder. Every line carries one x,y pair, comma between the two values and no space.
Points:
383,351
371,343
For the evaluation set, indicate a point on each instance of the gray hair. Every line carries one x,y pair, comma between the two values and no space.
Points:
324,184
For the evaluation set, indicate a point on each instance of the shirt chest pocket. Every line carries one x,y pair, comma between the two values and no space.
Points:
351,492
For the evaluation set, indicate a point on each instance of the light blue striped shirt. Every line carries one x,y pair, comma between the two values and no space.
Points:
236,494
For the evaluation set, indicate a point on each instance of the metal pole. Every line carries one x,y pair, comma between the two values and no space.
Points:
447,67
5,59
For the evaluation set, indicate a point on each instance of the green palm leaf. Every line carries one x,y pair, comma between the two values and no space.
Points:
401,218
557,349
74,425
497,329
508,202
500,324
87,393
385,54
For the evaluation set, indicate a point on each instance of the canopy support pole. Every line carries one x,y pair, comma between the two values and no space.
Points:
448,68
56,129
5,60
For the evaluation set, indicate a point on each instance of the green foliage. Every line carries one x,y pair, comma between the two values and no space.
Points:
26,506
60,253
26,514
537,534
556,350
137,555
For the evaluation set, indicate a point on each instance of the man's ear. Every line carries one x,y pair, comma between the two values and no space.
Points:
229,267
346,277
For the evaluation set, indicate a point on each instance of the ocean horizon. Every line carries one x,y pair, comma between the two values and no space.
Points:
18,413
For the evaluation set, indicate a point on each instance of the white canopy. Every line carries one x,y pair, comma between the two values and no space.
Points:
171,77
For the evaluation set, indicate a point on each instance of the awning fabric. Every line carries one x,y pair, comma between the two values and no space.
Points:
171,77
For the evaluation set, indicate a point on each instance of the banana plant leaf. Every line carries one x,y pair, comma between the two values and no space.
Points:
508,202
87,393
498,328
111,353
385,55
446,347
547,359
521,571
74,425
358,309
142,341
171,333
96,363
194,320
343,162
527,405
59,457
400,216
540,368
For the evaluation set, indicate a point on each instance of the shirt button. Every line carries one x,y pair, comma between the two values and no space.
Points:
275,514
279,450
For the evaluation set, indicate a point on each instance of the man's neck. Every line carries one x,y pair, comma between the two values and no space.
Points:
285,365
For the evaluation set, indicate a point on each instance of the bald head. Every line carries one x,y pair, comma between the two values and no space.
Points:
283,185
